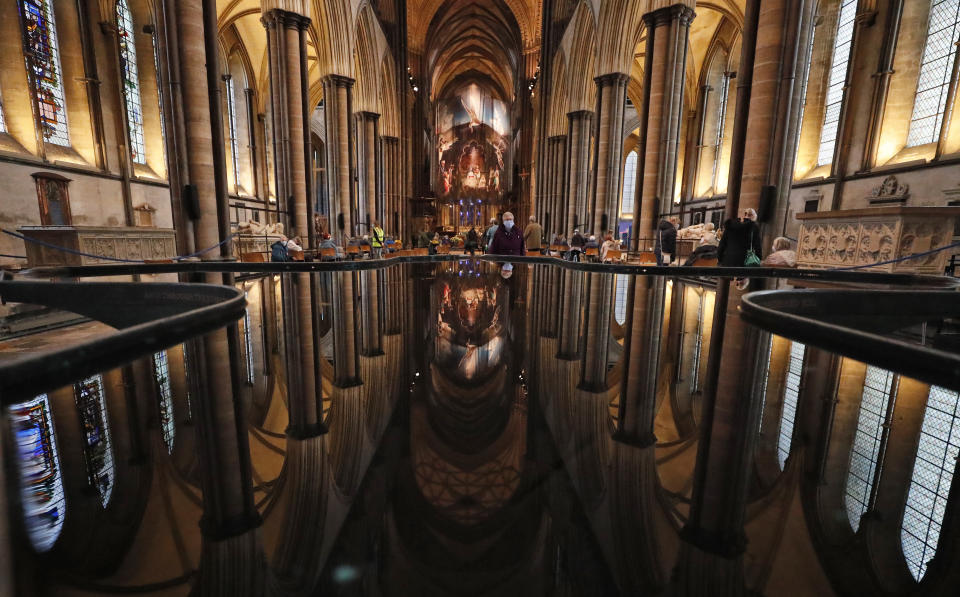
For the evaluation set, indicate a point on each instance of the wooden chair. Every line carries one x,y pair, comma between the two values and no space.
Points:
592,253
252,258
648,258
365,248
534,254
614,255
353,250
328,254
705,262
296,255
443,249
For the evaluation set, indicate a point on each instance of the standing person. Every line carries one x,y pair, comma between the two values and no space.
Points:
739,236
533,235
507,240
376,241
472,241
666,242
576,245
488,235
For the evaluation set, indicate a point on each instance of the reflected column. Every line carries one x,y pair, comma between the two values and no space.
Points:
345,345
596,333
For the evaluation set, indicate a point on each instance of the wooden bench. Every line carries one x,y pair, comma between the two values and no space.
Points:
353,250
326,254
614,255
253,258
647,258
592,252
533,253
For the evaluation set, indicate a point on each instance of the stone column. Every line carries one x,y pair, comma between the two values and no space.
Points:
338,106
391,187
368,172
608,151
554,187
596,334
578,172
285,41
714,538
346,371
231,560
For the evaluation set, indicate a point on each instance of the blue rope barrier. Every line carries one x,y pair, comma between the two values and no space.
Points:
897,260
13,256
104,257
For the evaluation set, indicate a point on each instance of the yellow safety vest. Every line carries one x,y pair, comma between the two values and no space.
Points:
377,240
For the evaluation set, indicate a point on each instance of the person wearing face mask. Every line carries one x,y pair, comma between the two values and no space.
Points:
508,239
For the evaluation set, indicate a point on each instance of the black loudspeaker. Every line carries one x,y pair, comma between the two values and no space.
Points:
340,222
603,226
191,203
768,195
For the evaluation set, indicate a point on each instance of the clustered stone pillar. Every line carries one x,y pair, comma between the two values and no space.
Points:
608,150
346,370
231,560
714,538
578,172
667,34
285,43
368,206
337,108
392,187
552,209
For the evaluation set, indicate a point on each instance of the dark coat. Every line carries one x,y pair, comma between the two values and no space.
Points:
472,239
667,237
507,243
577,241
738,236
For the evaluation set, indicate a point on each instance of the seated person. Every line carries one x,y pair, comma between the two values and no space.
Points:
327,243
591,243
608,245
783,254
706,246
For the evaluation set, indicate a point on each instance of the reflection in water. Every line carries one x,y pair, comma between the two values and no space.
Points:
471,434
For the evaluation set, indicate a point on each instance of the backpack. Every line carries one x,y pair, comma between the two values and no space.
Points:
278,252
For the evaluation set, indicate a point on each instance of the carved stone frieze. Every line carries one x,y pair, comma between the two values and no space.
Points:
135,243
889,191
873,237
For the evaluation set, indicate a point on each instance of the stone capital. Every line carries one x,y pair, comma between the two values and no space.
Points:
666,15
277,17
611,79
580,115
339,81
368,115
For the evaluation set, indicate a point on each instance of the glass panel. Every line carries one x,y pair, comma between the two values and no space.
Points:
41,486
131,82
97,449
838,77
248,345
620,303
161,374
936,67
232,118
721,121
629,184
3,124
43,63
932,477
791,397
874,404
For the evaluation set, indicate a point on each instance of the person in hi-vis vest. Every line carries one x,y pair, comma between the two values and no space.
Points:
376,240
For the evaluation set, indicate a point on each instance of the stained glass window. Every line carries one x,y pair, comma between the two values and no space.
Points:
875,405
806,77
721,122
188,379
3,125
936,66
43,65
97,448
156,70
161,375
791,399
131,82
833,103
620,299
629,184
932,476
232,118
697,347
41,486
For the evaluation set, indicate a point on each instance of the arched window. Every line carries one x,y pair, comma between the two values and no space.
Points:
97,447
933,471
3,124
717,93
232,125
791,399
131,82
248,343
41,486
833,102
936,67
43,68
161,375
620,300
629,184
876,406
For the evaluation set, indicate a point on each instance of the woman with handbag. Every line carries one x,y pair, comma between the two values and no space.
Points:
741,244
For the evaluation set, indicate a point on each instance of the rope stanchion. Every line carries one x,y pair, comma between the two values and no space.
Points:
42,243
897,260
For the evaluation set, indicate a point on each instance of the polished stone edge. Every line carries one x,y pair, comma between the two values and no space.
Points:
231,527
303,432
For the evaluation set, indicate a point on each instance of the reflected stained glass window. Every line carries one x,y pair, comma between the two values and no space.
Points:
833,102
933,472
232,121
791,399
763,388
936,67
697,347
188,378
3,124
629,184
97,447
43,65
248,344
161,375
131,82
41,486
620,298
875,406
